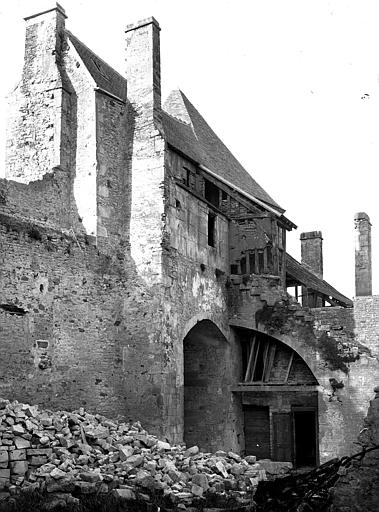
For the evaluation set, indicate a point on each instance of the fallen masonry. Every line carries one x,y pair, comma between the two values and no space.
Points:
68,454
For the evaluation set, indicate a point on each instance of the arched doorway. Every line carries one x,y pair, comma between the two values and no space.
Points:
207,379
280,401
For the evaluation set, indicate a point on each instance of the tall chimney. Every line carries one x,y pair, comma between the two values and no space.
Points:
363,271
311,255
39,106
311,251
143,70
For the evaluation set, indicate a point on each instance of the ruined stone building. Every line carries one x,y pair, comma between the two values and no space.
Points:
144,272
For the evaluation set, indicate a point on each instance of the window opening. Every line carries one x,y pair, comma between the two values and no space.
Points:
243,265
211,229
252,262
211,193
261,264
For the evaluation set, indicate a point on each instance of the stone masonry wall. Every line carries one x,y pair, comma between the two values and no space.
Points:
357,489
41,111
341,359
194,277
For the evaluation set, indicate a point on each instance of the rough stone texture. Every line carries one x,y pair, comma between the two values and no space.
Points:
311,251
114,294
105,455
357,490
363,271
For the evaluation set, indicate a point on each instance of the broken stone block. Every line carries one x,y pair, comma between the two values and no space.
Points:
90,476
19,467
193,450
17,455
18,429
21,443
135,460
57,474
197,490
125,452
201,480
126,494
234,456
4,456
161,445
39,451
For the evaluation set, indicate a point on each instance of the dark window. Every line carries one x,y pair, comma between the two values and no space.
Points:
270,262
224,195
243,265
280,260
261,261
252,262
211,229
211,193
234,269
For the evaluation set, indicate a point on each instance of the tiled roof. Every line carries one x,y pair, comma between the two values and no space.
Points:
187,131
104,76
296,272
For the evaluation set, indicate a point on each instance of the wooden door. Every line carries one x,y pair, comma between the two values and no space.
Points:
257,431
282,436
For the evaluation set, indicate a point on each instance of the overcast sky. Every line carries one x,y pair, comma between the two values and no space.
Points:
290,86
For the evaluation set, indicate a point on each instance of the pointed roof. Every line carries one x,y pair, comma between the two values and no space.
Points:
187,131
104,75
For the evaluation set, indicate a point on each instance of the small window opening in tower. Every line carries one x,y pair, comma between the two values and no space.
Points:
211,229
211,193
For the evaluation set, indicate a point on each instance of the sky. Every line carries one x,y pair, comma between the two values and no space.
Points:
290,86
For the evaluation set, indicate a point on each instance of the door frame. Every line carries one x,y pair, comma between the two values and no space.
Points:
294,409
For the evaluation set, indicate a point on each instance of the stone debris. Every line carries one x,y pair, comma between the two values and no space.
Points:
61,451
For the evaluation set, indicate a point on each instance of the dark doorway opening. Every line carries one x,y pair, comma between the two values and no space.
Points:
305,438
257,431
206,387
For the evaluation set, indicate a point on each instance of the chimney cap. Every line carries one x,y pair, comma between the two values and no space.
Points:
57,7
311,234
142,23
361,216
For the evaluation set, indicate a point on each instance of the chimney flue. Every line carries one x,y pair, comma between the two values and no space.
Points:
311,251
363,270
143,69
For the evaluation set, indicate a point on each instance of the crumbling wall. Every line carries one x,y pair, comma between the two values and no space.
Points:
336,343
357,488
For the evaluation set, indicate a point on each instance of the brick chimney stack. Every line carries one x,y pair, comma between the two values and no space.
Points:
311,251
143,70
363,271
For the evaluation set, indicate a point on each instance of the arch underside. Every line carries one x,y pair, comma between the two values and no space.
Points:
207,382
254,393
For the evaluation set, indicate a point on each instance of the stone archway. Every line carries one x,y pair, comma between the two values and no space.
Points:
280,401
207,380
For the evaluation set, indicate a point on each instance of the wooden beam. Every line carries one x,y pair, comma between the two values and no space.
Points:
252,345
255,359
265,352
289,367
270,361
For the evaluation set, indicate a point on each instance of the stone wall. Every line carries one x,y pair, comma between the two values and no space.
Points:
357,488
41,113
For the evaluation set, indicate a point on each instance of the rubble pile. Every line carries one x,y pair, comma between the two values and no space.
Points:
81,453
